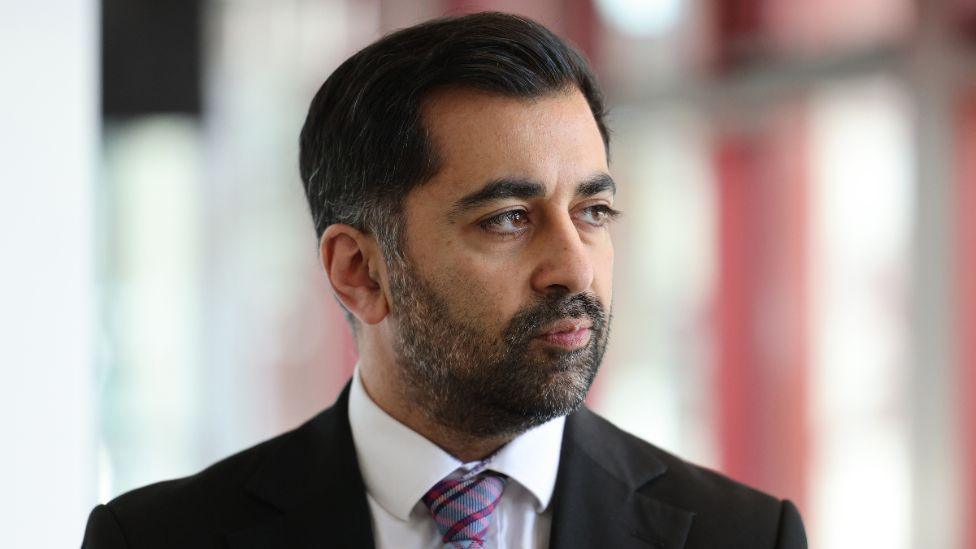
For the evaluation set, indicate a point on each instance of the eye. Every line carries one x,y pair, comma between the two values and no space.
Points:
510,222
598,215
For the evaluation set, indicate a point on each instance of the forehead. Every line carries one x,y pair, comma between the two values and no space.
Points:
479,136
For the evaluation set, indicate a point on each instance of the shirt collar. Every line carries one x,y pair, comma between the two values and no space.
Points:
399,465
532,459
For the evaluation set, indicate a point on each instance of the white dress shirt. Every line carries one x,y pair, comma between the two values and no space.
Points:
399,466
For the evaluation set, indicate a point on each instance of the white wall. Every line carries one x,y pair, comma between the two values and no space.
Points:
48,132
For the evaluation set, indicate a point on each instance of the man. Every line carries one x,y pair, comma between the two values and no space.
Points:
457,176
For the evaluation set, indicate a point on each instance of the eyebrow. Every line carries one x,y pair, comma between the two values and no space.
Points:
596,184
515,187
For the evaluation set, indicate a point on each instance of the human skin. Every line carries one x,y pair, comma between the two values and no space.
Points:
559,243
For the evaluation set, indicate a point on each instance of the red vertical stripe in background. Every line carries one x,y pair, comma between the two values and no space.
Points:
762,307
581,26
791,354
966,288
737,26
964,16
738,377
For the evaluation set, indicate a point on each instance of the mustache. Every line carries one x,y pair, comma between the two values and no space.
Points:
530,321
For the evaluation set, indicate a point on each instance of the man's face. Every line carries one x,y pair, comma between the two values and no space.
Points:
501,312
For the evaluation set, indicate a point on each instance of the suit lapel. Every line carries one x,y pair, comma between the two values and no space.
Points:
314,483
598,501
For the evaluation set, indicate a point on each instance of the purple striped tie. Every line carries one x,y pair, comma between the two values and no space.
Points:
462,507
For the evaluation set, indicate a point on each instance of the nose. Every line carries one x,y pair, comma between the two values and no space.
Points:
564,263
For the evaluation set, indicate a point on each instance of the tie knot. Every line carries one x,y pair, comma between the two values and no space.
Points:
462,508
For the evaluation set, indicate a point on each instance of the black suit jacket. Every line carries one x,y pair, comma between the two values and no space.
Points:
303,489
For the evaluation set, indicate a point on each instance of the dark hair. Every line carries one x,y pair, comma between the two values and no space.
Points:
364,145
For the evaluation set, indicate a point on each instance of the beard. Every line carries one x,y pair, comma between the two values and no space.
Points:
477,383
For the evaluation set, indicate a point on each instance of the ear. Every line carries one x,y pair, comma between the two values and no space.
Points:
352,261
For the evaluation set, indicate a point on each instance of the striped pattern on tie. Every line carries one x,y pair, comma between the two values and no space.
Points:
462,508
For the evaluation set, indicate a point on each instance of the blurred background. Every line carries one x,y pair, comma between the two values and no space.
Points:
795,276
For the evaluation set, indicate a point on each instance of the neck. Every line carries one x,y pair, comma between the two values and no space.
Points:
462,446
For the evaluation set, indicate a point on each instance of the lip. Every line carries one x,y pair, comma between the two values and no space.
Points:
567,325
569,333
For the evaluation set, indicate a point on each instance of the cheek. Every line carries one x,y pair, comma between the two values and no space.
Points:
603,274
481,291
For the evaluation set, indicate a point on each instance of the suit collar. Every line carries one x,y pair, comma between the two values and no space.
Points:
600,497
313,481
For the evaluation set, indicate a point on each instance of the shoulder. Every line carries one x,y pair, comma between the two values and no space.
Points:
722,507
196,510
250,487
192,511
227,475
